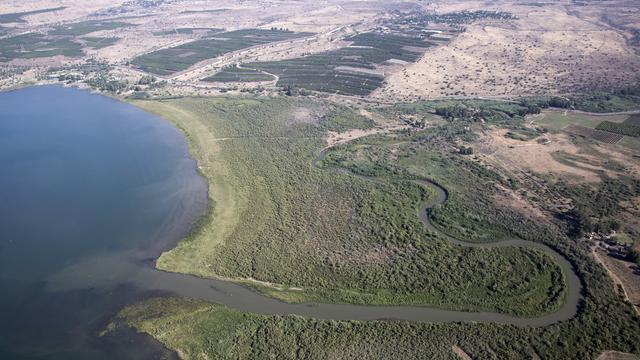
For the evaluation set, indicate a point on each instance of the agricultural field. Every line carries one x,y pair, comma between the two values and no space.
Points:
598,134
349,71
275,220
18,17
36,45
98,42
633,120
63,40
609,129
360,67
171,60
239,74
187,31
624,128
87,27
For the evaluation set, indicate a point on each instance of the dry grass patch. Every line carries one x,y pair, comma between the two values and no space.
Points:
617,355
539,158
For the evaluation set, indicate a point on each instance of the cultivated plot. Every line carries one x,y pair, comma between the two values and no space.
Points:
171,60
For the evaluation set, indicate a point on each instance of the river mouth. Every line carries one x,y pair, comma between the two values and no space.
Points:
93,191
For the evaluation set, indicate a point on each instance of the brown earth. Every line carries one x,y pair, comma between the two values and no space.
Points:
549,49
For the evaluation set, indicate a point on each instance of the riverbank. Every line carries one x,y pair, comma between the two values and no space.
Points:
260,149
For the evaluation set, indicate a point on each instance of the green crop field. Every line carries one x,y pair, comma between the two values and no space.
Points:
168,61
349,70
557,120
207,11
187,31
99,42
86,27
19,16
277,219
619,128
237,74
33,45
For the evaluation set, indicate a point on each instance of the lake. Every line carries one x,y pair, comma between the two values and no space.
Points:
91,189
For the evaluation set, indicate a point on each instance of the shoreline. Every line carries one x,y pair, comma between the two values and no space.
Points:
570,307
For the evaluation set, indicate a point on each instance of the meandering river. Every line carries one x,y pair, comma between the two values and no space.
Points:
93,190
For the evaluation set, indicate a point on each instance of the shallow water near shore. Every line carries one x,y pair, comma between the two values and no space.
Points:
84,177
92,190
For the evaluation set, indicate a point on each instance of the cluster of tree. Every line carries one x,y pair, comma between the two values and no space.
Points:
596,101
292,90
467,113
457,111
457,17
634,256
596,210
147,80
69,77
536,104
104,83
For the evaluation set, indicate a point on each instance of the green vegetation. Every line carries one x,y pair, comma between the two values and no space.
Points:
60,41
633,120
598,207
168,61
630,142
199,329
338,237
34,45
19,16
188,31
239,74
634,256
349,70
557,120
470,212
344,119
353,70
86,27
99,42
103,81
599,102
204,330
453,18
203,11
619,128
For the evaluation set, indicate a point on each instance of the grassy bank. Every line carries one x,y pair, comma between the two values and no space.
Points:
201,330
331,236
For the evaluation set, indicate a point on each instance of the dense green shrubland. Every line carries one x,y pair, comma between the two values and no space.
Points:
199,329
339,237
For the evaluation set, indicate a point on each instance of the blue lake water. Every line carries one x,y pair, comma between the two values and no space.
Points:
84,180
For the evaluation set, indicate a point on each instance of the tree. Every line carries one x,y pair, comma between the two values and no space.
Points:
634,256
